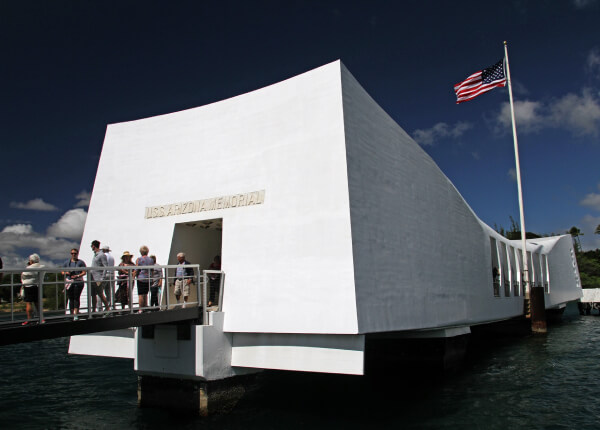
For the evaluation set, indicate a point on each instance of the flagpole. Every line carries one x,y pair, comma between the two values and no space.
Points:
536,323
518,168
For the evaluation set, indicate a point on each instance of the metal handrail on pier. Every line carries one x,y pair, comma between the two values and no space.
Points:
55,280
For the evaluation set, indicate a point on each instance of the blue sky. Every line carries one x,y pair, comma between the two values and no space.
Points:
71,67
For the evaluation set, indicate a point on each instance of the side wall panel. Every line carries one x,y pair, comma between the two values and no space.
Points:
421,257
565,284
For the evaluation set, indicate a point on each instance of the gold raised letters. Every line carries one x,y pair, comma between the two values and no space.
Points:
216,203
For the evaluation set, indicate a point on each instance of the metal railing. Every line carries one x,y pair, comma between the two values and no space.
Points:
118,285
506,288
496,286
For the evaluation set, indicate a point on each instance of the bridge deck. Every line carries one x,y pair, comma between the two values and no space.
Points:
62,327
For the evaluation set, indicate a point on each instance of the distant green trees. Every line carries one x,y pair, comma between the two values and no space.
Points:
53,292
589,268
515,231
575,233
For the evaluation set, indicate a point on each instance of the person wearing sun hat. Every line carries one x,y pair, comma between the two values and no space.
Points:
31,281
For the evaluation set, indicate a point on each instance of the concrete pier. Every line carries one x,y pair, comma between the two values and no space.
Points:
187,367
538,310
437,351
193,396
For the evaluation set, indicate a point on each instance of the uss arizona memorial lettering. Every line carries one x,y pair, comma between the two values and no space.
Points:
232,201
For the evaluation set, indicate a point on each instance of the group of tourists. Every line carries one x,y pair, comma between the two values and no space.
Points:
102,281
148,274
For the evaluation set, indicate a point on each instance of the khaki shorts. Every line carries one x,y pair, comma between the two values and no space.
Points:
186,287
98,287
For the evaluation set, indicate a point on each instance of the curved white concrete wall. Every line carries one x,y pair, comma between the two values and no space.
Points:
289,260
421,257
359,230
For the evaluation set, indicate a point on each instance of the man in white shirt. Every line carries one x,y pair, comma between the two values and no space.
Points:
109,287
99,277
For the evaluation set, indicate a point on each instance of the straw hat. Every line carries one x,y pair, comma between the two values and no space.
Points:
126,254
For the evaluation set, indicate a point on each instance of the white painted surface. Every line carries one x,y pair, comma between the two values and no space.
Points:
564,280
214,351
165,355
117,343
591,295
360,232
207,355
294,250
419,251
309,353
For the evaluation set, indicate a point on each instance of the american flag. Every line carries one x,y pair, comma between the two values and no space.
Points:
480,82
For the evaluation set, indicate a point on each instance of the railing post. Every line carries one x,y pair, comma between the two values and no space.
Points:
130,289
221,291
167,286
12,298
113,283
88,280
204,299
40,296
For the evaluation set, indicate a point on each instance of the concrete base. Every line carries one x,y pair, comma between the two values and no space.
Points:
442,354
514,327
554,315
538,310
193,396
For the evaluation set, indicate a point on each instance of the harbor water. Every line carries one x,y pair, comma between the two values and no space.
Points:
536,382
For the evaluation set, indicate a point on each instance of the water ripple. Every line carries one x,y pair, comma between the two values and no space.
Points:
536,382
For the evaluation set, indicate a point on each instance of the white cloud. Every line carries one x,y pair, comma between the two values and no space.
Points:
527,116
18,229
14,240
519,88
577,113
512,174
582,4
35,205
17,240
70,225
84,199
441,130
593,62
591,200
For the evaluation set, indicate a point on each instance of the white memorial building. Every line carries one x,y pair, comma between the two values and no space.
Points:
332,223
